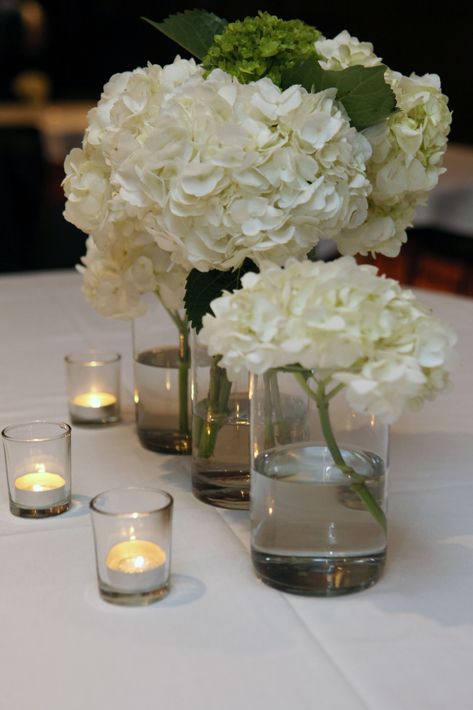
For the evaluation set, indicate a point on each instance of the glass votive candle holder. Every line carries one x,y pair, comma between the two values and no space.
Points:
93,387
38,466
132,533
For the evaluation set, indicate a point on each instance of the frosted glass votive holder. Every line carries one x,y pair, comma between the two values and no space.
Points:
93,387
132,534
38,467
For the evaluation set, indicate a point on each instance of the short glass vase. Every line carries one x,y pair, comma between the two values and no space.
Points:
161,367
318,486
220,432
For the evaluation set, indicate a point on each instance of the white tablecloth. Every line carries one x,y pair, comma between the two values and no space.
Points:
222,640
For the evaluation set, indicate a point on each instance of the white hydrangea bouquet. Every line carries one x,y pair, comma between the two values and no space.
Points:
192,174
336,326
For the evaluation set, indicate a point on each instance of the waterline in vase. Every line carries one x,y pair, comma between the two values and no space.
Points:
222,477
311,534
156,373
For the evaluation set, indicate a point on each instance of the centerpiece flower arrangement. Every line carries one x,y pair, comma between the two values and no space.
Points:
332,328
335,327
193,174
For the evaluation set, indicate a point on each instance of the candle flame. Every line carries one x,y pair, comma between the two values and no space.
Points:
39,481
95,401
135,556
139,561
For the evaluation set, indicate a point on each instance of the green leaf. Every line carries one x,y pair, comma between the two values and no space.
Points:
362,90
202,287
192,29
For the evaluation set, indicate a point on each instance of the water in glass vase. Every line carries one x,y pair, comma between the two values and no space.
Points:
162,425
311,532
220,474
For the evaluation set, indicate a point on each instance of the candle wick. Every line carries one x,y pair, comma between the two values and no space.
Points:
139,561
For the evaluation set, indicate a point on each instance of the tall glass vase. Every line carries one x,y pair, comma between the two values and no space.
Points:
162,378
220,433
318,487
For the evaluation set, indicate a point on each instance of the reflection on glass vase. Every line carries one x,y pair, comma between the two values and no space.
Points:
162,377
318,487
220,433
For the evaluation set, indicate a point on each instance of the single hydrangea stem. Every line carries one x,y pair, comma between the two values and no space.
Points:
183,369
217,409
282,433
357,482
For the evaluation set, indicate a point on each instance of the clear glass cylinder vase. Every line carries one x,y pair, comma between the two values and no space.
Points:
318,487
161,356
220,432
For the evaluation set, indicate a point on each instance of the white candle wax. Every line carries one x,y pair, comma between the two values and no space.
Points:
39,489
136,566
94,406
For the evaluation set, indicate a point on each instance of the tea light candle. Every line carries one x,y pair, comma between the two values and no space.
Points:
94,399
39,489
94,406
136,565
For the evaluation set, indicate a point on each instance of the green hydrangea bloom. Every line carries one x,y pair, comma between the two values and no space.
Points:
261,46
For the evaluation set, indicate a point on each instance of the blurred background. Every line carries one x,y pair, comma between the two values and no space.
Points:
55,56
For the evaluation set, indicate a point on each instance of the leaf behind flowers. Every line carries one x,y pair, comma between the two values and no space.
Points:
203,287
193,30
362,90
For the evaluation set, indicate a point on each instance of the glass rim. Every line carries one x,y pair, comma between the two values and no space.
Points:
98,357
65,431
136,513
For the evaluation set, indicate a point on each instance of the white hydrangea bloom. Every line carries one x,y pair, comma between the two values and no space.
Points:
216,171
384,230
88,187
345,51
341,320
116,277
407,149
211,172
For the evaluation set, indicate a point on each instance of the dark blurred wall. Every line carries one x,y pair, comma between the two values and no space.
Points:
84,42
92,39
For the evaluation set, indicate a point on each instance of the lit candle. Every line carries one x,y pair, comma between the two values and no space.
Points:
136,565
39,489
94,407
94,399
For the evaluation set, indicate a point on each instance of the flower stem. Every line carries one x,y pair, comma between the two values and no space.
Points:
184,361
357,482
217,408
269,439
282,434
183,369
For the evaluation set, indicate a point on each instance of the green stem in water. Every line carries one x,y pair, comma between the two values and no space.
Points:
358,483
217,408
269,439
183,383
183,369
282,430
